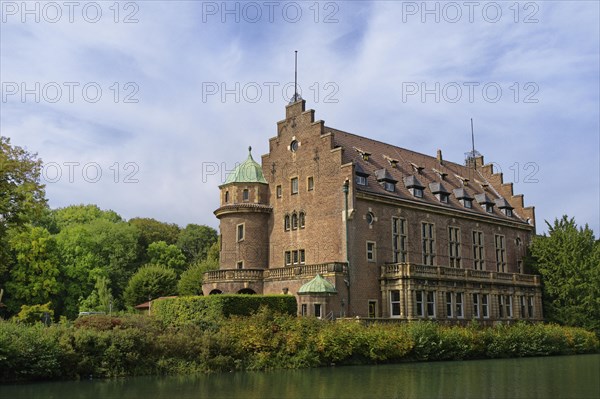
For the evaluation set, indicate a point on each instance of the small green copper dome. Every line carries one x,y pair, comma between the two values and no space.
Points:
247,172
317,285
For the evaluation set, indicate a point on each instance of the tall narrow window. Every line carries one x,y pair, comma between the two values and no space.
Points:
449,306
245,194
294,184
476,305
286,222
430,304
478,255
371,251
372,309
303,310
301,220
454,246
226,196
240,264
294,221
278,191
240,232
519,266
523,308
419,303
395,303
310,184
428,237
501,306
485,310
500,254
302,256
288,258
530,306
508,304
295,257
459,304
399,239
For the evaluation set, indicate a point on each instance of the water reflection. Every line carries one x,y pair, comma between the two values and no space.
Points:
549,377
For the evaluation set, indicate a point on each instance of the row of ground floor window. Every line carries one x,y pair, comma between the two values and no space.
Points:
460,305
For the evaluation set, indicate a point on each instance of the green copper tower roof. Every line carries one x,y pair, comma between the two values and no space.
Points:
248,171
317,285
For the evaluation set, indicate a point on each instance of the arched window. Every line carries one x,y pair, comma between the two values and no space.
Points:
294,221
226,196
286,222
301,220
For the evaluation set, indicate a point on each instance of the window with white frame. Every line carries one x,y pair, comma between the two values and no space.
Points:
361,180
288,258
428,242
294,185
301,220
278,191
295,257
425,303
485,308
399,239
302,255
530,306
310,184
417,192
371,251
318,310
388,186
478,251
430,304
509,309
420,308
303,310
459,305
294,221
454,304
476,313
454,246
449,305
500,254
286,223
395,303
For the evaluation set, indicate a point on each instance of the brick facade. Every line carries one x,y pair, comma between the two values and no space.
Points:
295,227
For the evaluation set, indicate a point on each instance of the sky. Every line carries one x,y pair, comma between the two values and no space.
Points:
143,107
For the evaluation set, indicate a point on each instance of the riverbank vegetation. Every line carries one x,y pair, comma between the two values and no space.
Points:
104,346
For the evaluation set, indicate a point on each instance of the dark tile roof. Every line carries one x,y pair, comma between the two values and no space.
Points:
437,188
483,199
360,171
501,203
411,181
384,175
455,176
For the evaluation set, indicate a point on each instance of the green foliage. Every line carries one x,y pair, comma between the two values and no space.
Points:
161,253
568,260
35,275
151,230
100,248
206,311
22,196
150,281
104,346
190,282
35,313
195,241
100,298
83,214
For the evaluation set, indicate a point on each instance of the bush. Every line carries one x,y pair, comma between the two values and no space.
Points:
208,311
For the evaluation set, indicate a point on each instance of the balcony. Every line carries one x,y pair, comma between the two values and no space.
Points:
408,270
280,273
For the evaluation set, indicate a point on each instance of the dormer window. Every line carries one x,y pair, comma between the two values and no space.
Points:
361,180
462,195
386,180
440,192
504,207
360,175
485,202
414,186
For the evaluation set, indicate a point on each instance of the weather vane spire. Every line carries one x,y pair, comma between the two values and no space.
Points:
296,96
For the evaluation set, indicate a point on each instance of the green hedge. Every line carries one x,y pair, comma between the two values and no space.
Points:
141,345
207,311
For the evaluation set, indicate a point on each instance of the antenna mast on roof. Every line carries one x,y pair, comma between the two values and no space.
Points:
471,155
296,95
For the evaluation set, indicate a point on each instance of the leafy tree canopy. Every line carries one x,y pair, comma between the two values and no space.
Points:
568,259
190,282
151,230
150,281
195,241
22,196
160,253
81,214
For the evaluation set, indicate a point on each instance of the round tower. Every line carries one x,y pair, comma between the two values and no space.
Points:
244,216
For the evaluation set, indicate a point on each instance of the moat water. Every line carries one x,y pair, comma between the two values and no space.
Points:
543,377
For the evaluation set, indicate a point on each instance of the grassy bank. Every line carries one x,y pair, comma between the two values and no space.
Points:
103,346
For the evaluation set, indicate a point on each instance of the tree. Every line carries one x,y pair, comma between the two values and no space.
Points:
83,214
195,241
100,248
160,253
150,281
151,230
35,275
100,299
22,196
190,282
568,259
35,313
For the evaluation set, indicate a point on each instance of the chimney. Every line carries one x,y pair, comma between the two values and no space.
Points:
439,156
